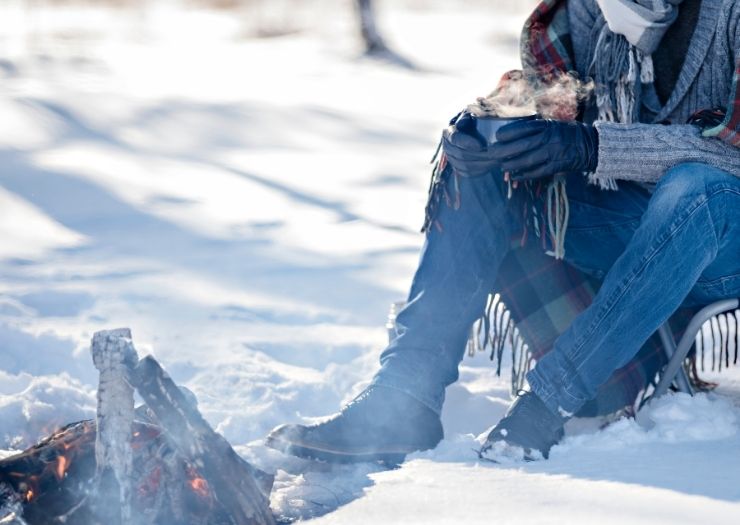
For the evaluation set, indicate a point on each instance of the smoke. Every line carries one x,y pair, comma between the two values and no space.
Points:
558,98
11,509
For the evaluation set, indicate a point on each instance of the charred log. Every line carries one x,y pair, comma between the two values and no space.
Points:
54,477
161,464
56,481
227,476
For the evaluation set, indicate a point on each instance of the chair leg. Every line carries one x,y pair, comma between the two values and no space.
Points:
669,347
682,349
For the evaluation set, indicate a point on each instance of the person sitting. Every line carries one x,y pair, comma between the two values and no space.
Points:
650,172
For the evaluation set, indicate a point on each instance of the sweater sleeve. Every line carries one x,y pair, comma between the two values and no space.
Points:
644,152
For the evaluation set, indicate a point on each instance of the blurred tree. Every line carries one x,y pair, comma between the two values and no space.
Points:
374,43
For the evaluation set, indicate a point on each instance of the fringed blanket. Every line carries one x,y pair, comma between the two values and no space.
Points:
538,297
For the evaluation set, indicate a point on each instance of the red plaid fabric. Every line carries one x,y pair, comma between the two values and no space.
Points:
729,129
545,43
546,49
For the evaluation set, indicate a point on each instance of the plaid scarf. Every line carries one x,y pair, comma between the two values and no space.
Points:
547,51
641,22
629,31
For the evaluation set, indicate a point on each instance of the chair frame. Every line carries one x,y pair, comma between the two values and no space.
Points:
676,353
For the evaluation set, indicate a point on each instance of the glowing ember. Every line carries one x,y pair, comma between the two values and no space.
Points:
199,486
29,495
150,484
62,466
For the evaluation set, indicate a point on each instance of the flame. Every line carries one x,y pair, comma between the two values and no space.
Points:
62,466
197,483
51,429
199,486
29,495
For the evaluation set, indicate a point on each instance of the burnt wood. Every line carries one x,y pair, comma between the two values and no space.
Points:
55,482
182,472
229,478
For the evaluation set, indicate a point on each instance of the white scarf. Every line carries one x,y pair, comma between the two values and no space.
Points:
630,32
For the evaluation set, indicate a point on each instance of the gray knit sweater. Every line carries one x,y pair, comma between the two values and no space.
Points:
645,151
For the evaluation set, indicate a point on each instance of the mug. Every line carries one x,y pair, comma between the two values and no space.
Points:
488,126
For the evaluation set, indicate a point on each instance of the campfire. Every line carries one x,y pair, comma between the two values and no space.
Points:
158,464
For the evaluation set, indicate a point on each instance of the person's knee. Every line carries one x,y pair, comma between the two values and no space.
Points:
689,181
683,179
690,178
687,186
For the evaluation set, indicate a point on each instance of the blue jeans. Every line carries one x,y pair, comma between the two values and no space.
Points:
678,246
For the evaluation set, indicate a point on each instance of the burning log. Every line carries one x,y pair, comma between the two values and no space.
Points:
56,481
226,475
161,464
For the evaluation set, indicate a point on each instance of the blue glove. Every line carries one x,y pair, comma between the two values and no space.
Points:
466,149
531,149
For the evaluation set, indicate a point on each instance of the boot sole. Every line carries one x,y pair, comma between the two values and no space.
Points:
390,459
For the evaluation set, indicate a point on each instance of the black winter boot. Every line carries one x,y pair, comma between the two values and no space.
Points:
381,424
528,425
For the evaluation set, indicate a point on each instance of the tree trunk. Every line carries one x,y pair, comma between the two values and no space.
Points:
374,43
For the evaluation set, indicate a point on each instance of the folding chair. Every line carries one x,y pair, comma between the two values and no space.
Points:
676,353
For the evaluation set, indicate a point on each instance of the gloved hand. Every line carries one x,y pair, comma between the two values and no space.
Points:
466,149
530,149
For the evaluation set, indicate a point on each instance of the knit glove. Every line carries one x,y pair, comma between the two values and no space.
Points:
531,149
466,149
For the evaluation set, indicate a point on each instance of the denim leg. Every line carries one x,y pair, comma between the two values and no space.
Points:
687,245
456,272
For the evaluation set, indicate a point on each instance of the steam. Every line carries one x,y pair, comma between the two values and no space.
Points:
558,98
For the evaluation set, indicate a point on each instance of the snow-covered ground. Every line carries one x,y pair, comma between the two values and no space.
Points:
250,208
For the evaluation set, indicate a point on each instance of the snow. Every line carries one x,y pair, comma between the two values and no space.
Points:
250,208
682,470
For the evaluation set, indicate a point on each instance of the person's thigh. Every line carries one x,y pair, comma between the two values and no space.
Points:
601,223
721,278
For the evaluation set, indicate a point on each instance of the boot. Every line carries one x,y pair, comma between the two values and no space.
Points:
381,424
528,426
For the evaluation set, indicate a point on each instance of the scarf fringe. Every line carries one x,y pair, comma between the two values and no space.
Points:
554,215
492,332
647,72
558,213
604,182
620,70
717,344
437,189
